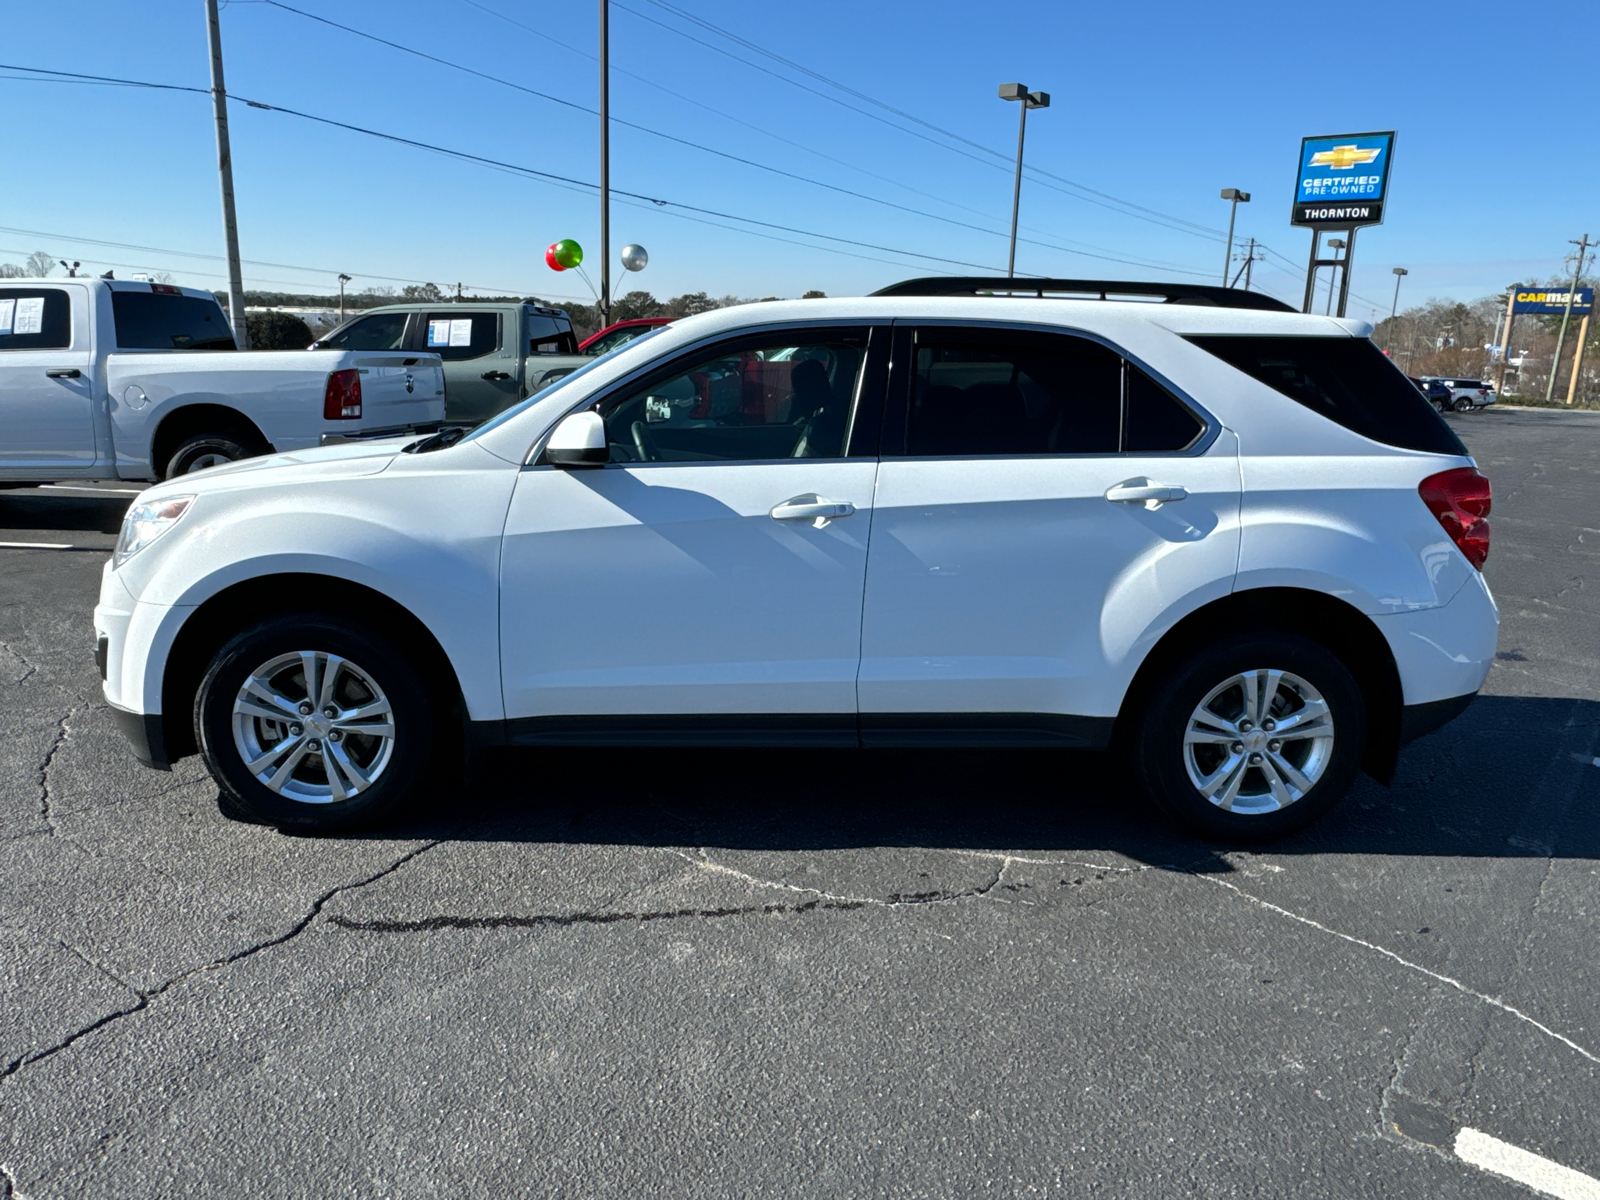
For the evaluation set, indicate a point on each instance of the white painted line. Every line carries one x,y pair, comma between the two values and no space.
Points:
93,491
1417,967
36,546
1534,1170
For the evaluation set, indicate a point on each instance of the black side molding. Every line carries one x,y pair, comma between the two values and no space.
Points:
845,730
146,734
1418,720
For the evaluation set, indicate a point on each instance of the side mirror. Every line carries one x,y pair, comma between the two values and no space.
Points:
578,441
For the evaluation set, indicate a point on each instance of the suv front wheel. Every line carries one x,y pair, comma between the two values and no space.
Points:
312,724
1252,739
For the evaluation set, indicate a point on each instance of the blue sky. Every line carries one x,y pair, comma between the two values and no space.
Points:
1157,104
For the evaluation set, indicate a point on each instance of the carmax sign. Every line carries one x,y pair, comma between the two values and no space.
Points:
1536,300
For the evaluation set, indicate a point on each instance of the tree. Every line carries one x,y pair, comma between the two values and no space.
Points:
414,293
635,305
12,271
41,263
814,296
277,331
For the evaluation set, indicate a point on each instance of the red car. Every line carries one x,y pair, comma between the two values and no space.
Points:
612,336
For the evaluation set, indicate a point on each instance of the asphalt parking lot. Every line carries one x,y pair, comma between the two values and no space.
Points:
809,974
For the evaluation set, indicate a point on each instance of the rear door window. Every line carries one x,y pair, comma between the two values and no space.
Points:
454,336
35,319
163,321
550,335
993,392
1346,379
380,331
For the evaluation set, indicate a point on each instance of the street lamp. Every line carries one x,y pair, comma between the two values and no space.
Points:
343,279
1399,274
1334,244
1237,197
1017,91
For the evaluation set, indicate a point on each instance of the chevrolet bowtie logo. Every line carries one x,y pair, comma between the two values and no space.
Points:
1342,158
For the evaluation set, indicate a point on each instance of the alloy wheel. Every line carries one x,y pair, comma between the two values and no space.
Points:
313,727
1258,742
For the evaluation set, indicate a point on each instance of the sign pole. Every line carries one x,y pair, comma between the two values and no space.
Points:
1577,358
1344,272
1311,269
1505,346
1561,338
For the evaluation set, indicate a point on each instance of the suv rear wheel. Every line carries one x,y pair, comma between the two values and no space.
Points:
1252,739
312,724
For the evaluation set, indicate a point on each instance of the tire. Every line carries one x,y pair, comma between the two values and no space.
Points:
1293,785
205,450
331,775
1461,406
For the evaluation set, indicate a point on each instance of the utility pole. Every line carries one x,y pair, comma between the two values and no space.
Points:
1399,274
1566,316
343,279
1237,197
230,224
1244,271
1018,91
605,163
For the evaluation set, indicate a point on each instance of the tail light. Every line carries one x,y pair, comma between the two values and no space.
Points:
1459,498
341,401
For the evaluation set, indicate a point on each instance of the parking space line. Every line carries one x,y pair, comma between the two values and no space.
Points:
1534,1170
1418,967
93,491
36,546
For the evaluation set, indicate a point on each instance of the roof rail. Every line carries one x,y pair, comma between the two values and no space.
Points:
1082,289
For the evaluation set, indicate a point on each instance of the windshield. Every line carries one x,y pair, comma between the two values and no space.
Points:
545,393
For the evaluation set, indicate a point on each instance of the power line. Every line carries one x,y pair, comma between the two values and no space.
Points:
779,171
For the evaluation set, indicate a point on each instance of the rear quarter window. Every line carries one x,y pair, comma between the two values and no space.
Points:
35,319
1345,379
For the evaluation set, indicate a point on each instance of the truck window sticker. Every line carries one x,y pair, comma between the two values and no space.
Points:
30,315
438,333
461,331
6,309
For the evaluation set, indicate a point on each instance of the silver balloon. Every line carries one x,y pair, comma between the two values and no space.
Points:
634,258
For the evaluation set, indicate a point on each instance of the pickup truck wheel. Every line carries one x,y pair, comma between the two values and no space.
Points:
1252,739
205,450
311,724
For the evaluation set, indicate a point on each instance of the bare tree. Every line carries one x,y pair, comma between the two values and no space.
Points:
12,271
40,264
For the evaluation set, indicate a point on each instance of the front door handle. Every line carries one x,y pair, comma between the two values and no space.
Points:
495,375
63,373
1145,491
813,508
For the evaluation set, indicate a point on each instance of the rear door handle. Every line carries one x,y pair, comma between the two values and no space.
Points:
495,375
1144,491
63,373
813,508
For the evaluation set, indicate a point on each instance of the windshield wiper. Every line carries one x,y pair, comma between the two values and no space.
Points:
445,438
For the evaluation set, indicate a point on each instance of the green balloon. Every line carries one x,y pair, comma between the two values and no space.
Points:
568,253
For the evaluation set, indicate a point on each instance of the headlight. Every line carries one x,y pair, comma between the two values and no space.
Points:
146,522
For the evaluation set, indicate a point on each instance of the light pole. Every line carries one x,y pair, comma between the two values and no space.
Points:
1336,245
343,279
605,163
1237,198
1017,91
1399,274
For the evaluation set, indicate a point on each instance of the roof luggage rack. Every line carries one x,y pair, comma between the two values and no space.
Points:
1085,289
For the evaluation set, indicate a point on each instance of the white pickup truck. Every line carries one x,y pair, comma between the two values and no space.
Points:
106,379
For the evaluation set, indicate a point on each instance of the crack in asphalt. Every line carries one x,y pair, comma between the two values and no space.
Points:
22,658
146,995
62,733
8,1185
822,901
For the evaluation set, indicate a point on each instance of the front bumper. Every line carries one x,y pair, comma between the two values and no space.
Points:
389,431
146,733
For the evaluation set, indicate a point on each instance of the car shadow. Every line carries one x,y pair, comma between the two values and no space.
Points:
59,511
1513,777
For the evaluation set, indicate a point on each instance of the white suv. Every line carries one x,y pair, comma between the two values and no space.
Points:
1236,543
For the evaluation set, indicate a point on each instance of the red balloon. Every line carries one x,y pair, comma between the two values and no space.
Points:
550,257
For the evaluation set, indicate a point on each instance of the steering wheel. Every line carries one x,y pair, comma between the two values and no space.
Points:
645,444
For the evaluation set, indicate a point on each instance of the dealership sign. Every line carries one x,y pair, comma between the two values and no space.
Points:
1342,180
1537,300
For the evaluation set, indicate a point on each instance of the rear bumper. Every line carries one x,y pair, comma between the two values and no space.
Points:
389,431
146,733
